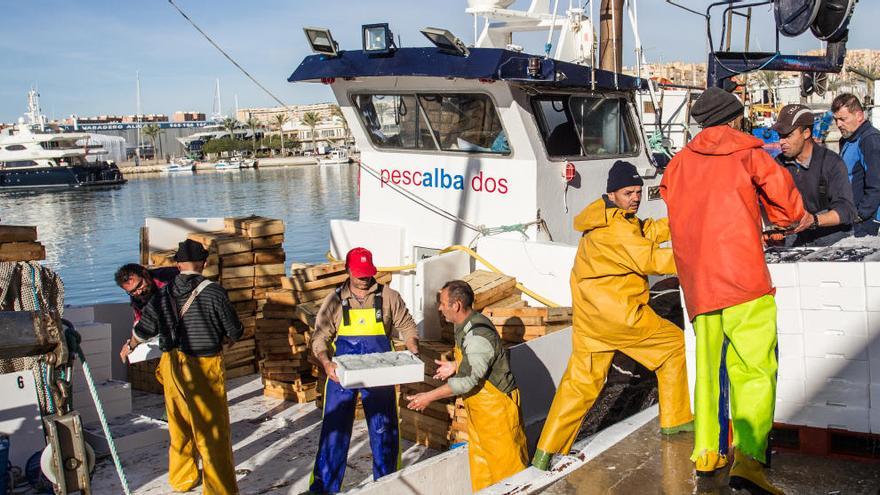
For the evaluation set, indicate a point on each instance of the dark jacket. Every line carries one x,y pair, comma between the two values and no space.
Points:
823,185
201,331
861,153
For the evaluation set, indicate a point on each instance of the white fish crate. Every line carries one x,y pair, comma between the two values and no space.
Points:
379,369
144,351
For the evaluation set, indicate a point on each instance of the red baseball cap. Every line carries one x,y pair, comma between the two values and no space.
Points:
359,262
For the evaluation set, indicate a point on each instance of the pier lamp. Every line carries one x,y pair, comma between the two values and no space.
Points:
446,41
321,41
378,39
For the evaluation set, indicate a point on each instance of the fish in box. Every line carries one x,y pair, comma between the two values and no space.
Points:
379,369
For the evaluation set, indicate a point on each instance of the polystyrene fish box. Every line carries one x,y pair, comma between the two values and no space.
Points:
791,368
831,274
783,274
837,393
791,391
790,345
80,314
833,298
379,369
872,296
789,321
144,351
841,418
875,420
787,412
835,370
788,298
840,334
94,331
109,391
99,375
872,273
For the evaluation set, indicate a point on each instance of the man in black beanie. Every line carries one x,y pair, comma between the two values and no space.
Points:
610,293
193,318
715,189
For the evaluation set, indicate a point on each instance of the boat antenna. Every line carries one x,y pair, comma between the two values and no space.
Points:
549,45
236,64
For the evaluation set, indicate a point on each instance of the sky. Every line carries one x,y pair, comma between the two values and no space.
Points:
83,55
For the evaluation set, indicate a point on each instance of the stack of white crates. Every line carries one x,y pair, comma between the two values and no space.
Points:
829,343
96,345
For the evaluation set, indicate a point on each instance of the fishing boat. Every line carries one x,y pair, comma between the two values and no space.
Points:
335,157
227,165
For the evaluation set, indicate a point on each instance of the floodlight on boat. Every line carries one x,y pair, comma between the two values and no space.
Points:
321,41
378,39
446,41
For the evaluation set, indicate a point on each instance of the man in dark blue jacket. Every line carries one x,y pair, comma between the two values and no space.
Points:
860,150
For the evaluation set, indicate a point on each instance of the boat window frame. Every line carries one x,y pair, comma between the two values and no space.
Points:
535,96
438,151
4,164
15,147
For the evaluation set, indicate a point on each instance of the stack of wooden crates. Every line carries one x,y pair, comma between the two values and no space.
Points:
19,243
246,259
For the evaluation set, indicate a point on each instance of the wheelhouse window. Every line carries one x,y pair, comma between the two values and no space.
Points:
466,123
588,126
18,164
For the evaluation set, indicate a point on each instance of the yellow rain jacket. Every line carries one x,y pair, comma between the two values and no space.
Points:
623,251
609,291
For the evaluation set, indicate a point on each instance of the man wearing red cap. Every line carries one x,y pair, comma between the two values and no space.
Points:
358,318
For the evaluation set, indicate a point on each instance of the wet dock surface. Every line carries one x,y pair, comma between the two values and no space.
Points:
646,463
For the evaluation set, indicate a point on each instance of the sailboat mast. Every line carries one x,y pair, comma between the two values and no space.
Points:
137,76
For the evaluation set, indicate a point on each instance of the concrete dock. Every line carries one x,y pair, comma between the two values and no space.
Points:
647,463
150,167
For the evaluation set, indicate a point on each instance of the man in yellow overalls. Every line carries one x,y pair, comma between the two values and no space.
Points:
496,439
610,293
358,319
193,317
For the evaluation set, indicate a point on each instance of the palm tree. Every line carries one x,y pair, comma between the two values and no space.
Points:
281,119
770,78
311,119
336,111
152,131
253,123
229,124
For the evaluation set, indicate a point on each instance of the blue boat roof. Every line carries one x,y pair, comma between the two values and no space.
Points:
483,63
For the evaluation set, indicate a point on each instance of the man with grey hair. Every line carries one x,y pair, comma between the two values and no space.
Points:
860,150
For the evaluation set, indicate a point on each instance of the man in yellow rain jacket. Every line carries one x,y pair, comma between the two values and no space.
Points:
610,293
496,439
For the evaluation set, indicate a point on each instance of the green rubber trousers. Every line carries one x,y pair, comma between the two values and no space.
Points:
736,363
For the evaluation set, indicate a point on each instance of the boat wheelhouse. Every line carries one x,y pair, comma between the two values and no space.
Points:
494,145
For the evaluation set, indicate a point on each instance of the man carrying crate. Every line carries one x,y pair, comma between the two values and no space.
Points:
496,438
358,318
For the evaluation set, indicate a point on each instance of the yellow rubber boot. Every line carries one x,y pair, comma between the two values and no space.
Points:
709,462
748,474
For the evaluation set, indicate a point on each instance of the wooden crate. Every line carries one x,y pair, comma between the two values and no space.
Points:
17,233
22,251
489,287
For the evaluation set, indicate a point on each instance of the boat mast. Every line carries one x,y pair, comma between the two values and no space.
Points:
611,36
137,76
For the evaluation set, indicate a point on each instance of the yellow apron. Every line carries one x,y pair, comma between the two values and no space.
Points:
496,439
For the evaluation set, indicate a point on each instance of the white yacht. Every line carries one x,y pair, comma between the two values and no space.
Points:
33,157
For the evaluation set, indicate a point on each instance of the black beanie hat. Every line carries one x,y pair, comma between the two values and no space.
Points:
190,250
623,174
716,107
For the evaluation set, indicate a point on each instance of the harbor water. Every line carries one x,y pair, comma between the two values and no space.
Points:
89,233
